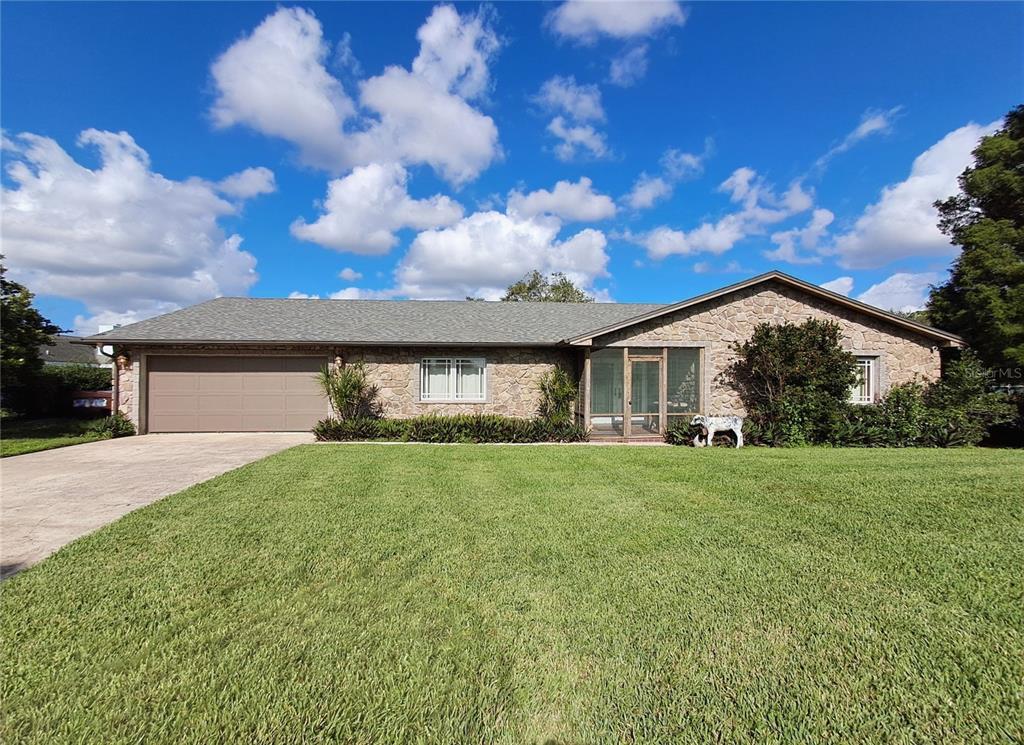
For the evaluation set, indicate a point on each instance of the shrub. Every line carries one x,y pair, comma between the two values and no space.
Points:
956,410
444,429
48,392
80,377
794,381
350,392
557,395
116,425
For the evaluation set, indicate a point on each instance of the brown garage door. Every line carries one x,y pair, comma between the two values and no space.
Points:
234,394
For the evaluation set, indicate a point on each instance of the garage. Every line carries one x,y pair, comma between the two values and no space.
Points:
234,394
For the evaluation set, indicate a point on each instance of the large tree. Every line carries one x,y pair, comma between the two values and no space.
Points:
538,288
983,300
24,329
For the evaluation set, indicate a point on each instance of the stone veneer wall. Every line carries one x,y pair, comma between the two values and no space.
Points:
903,354
512,374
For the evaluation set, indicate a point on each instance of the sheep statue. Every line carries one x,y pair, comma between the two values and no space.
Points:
712,424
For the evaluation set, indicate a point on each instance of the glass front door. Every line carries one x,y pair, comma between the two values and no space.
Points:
645,396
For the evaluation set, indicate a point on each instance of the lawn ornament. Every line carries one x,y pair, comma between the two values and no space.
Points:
712,424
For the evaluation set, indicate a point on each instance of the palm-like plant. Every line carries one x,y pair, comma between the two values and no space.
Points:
350,392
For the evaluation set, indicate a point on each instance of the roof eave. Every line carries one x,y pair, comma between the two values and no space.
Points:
91,341
923,329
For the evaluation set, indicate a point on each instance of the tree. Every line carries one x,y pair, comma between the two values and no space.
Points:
983,301
538,288
23,329
794,380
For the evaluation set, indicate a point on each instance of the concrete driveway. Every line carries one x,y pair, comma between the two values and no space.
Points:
51,498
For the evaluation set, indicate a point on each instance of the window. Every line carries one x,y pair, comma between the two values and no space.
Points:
453,379
864,389
684,383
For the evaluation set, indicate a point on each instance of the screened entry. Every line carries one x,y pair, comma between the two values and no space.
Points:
642,391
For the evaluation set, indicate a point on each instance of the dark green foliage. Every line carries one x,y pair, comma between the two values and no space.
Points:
48,391
557,395
957,410
116,425
456,428
350,392
23,329
79,377
538,288
983,300
794,381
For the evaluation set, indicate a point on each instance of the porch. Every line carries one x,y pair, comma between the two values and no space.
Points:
636,393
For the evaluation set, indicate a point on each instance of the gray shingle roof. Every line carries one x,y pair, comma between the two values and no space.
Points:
233,319
65,350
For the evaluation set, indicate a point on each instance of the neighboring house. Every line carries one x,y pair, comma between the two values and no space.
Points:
248,364
68,350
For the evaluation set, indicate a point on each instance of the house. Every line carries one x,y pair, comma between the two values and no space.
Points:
237,364
68,350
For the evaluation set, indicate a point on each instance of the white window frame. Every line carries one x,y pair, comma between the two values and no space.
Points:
453,395
871,379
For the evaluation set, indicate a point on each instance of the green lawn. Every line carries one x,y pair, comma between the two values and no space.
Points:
19,436
564,594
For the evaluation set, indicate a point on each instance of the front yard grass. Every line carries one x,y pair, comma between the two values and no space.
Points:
571,594
20,436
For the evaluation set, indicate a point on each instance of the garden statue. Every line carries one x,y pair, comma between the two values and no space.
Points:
712,424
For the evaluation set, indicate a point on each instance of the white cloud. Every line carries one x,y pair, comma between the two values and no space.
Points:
577,140
275,81
485,252
248,183
575,106
676,166
569,201
562,94
629,67
680,166
122,239
760,206
872,122
901,292
296,295
903,222
586,21
359,293
345,58
350,275
455,51
841,285
421,124
363,210
792,242
647,190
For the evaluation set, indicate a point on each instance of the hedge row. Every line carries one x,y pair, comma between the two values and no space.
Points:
456,428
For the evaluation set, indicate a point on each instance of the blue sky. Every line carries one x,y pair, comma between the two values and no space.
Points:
157,155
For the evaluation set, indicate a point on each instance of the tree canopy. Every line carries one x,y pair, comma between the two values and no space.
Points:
539,288
983,301
24,330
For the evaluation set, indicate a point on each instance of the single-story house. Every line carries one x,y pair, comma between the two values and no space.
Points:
68,350
242,364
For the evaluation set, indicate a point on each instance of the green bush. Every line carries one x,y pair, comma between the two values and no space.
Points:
443,429
116,425
557,396
79,377
48,392
956,410
350,392
794,381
